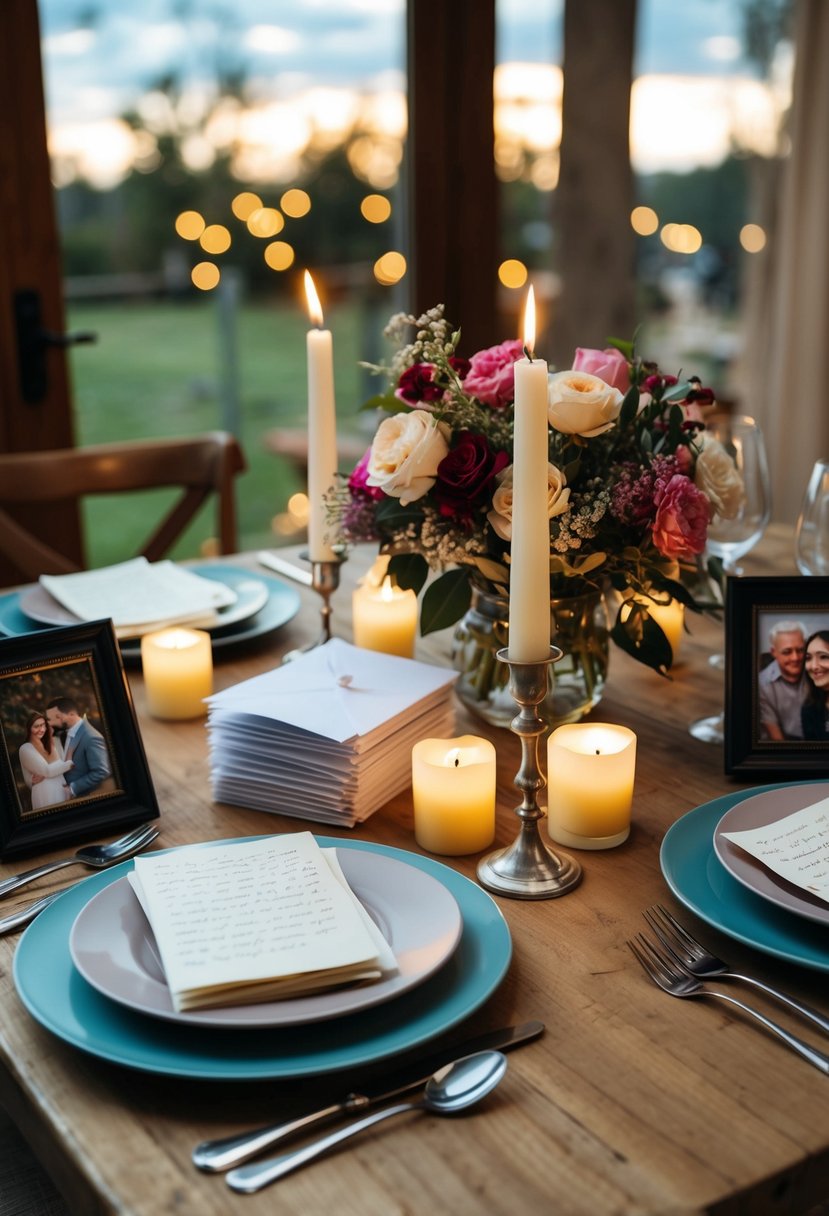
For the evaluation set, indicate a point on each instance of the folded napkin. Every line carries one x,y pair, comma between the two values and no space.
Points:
140,596
257,920
796,847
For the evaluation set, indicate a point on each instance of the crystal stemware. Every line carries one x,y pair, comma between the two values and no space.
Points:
811,540
730,539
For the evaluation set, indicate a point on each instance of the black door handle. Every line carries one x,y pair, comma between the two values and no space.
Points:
33,341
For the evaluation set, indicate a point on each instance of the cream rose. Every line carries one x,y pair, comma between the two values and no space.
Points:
405,455
581,404
717,476
501,514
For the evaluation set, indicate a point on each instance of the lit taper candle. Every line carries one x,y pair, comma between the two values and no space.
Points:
529,588
322,426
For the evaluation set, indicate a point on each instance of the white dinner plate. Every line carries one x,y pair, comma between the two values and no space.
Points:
113,947
756,812
251,595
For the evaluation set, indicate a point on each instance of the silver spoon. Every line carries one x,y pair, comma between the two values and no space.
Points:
98,856
451,1089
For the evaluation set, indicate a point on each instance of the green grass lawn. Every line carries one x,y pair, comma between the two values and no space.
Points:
156,371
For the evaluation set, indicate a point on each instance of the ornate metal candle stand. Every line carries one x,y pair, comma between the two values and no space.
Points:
325,579
528,869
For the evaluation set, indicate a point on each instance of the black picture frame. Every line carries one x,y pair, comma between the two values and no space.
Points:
80,664
753,606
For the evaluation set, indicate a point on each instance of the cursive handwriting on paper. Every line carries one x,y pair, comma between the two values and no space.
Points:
250,911
796,848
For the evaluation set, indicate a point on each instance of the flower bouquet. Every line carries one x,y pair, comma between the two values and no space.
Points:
633,481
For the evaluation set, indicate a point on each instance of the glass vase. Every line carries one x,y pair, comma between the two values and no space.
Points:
578,625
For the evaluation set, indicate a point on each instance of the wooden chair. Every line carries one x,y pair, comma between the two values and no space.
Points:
199,466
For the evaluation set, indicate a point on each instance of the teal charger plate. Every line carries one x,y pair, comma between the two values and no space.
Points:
61,1000
701,882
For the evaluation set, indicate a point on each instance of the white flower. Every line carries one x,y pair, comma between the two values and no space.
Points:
581,404
501,514
717,476
405,455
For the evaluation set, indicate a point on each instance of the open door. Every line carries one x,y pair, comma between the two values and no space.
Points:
35,406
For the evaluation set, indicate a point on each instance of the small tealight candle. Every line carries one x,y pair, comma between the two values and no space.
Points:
590,770
453,784
178,672
385,618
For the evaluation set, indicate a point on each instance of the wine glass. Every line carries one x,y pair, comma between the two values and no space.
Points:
731,539
811,538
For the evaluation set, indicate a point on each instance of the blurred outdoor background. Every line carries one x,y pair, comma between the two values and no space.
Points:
204,152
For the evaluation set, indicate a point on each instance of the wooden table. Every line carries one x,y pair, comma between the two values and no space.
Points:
630,1103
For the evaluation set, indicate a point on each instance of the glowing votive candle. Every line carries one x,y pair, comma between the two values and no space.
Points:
590,770
453,784
669,617
178,672
385,618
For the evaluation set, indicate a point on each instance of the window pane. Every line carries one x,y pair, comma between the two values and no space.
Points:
202,155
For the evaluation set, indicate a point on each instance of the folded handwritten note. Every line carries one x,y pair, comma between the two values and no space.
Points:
796,848
255,921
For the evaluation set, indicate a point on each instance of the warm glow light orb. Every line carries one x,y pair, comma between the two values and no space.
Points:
752,238
375,208
265,221
299,508
512,273
295,203
189,225
390,268
215,239
681,238
245,204
644,220
279,255
205,276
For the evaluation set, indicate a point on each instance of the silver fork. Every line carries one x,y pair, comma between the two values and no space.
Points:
96,856
668,976
692,956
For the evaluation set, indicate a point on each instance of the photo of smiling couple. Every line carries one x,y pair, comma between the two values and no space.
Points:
793,683
63,756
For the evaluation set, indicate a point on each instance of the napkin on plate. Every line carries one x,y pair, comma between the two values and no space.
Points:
327,737
257,920
140,596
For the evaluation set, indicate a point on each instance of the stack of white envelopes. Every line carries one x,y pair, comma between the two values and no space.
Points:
327,737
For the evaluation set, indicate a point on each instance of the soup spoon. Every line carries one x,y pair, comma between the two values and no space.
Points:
451,1089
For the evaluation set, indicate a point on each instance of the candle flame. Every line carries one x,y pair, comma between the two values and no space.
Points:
314,306
529,324
387,591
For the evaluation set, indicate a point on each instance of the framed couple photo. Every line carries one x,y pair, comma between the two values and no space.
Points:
777,677
72,763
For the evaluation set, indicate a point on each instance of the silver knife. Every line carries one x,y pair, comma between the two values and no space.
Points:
16,920
286,569
215,1156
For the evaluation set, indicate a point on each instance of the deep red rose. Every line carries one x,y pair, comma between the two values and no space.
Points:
652,384
416,386
460,366
466,474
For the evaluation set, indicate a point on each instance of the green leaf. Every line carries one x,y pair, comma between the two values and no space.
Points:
630,406
645,441
385,401
494,571
621,344
677,392
571,471
409,571
641,637
392,516
584,565
445,601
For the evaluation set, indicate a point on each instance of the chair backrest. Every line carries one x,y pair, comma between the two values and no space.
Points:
200,466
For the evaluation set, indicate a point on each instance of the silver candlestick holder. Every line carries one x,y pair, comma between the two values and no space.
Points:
528,869
325,579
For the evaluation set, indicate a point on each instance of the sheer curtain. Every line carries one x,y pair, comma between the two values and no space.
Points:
786,358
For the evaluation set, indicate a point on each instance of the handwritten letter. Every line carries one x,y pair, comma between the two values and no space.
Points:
796,848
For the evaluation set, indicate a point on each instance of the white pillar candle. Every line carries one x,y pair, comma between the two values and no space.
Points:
322,427
590,770
385,618
178,672
453,785
529,587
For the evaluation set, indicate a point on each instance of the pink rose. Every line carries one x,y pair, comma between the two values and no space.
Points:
609,365
682,515
491,375
358,480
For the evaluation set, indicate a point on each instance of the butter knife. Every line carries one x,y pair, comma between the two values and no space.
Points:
22,917
215,1156
286,569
